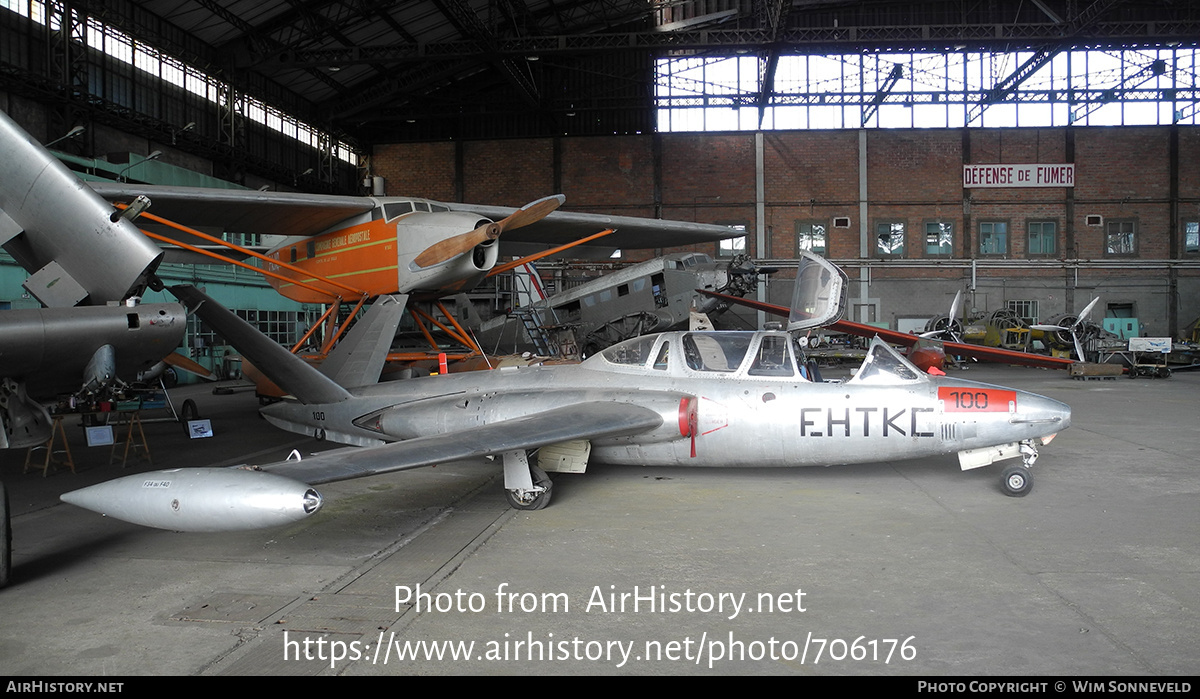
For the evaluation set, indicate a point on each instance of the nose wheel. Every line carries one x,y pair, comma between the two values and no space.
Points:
1017,481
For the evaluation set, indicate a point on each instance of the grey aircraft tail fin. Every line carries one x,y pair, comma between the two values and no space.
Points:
358,359
289,372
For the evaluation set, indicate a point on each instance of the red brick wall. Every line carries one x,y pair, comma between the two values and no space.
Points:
914,176
417,170
508,173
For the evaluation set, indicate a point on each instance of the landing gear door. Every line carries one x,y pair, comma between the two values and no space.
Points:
820,293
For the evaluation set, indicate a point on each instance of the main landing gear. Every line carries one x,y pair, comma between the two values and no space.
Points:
527,487
1017,481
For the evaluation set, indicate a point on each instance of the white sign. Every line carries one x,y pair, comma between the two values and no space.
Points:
1016,175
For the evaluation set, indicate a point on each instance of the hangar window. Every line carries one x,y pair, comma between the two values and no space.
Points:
939,239
248,240
1025,310
1043,238
1120,237
924,89
889,238
993,238
732,246
1191,237
810,236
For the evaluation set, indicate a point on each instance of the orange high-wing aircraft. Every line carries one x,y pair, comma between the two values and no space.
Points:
915,342
389,245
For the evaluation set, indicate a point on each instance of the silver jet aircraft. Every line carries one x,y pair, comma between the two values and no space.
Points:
685,398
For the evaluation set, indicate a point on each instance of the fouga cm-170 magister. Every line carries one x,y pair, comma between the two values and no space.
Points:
683,398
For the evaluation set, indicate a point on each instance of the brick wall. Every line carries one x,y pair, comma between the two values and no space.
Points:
913,176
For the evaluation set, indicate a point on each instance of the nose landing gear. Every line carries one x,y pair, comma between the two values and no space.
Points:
1017,481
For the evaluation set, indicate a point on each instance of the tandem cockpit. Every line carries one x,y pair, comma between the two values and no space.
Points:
744,355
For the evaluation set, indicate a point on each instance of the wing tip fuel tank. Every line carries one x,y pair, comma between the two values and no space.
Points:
201,499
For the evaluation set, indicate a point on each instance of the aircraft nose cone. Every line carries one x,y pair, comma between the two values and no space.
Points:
1034,409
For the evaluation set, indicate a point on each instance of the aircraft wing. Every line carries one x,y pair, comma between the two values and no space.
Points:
241,210
630,232
299,214
988,354
582,421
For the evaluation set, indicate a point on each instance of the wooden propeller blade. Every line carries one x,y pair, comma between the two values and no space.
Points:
181,362
452,247
532,212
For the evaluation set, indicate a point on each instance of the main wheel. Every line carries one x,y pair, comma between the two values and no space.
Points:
531,501
5,539
1016,481
188,412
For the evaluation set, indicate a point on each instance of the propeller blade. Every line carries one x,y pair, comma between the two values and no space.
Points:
1048,328
456,245
1086,310
532,212
181,362
1078,347
956,306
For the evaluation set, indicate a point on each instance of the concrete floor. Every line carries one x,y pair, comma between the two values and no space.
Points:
904,568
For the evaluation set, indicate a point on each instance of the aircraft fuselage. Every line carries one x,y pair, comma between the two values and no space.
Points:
743,402
373,253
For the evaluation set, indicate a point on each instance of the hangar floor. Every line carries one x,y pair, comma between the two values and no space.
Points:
904,568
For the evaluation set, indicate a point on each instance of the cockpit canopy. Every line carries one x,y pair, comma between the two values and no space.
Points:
884,365
728,353
748,355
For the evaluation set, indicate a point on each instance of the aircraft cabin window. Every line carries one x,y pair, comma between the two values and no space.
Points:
437,208
633,352
773,358
884,366
722,352
397,209
664,354
421,205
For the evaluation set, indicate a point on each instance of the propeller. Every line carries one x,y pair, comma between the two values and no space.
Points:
949,327
452,247
1074,328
